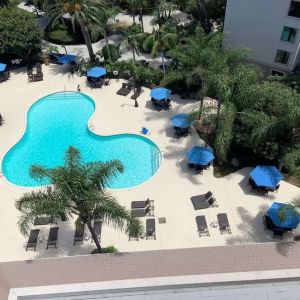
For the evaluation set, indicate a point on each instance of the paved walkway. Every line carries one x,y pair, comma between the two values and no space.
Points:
276,261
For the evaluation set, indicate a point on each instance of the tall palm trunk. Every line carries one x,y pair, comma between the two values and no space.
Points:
133,17
204,19
94,236
107,47
87,40
133,53
163,62
141,18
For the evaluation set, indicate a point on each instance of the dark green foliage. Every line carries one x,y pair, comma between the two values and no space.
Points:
20,34
114,52
63,35
145,75
292,80
4,3
108,249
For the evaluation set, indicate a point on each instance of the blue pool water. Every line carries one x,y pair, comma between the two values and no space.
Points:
59,120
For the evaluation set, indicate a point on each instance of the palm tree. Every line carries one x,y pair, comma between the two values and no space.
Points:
77,188
82,12
131,41
159,41
204,18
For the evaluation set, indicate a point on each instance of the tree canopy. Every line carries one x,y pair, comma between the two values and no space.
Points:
20,34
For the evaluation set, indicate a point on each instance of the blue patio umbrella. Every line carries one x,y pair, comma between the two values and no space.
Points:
200,155
283,215
266,176
66,59
96,72
160,93
181,121
2,67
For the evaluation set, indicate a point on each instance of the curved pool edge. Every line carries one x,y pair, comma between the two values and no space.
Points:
23,131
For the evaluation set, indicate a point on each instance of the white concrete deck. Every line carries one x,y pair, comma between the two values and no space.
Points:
171,188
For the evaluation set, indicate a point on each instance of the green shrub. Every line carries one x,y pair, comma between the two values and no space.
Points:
62,35
114,52
108,249
145,75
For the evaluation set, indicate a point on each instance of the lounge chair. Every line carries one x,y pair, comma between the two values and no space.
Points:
133,233
78,235
204,201
33,238
223,223
136,93
202,225
97,226
52,237
150,229
141,212
123,91
142,204
43,220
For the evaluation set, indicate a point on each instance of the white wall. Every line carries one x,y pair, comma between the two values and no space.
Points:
258,25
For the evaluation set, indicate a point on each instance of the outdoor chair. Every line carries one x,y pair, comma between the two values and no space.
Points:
136,93
199,169
33,238
142,204
141,212
191,166
150,229
52,237
106,82
223,223
44,220
78,235
133,233
38,77
204,201
179,132
97,226
278,233
268,223
202,226
123,91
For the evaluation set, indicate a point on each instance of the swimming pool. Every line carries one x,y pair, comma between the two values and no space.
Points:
60,120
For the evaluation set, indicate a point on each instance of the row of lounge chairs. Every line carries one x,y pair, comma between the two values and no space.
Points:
204,201
141,209
51,241
150,232
53,232
126,89
79,232
223,224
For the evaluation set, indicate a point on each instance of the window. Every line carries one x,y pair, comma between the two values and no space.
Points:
288,34
282,56
294,10
277,73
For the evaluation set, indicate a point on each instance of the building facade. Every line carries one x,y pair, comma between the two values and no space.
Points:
270,29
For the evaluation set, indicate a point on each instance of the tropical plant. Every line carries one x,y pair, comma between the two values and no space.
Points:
20,34
77,188
111,52
161,40
82,13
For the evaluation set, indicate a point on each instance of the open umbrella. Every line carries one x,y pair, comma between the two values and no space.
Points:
160,93
283,215
2,67
181,121
96,72
200,155
266,176
66,59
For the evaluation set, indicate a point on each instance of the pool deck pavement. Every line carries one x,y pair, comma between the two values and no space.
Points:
170,188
